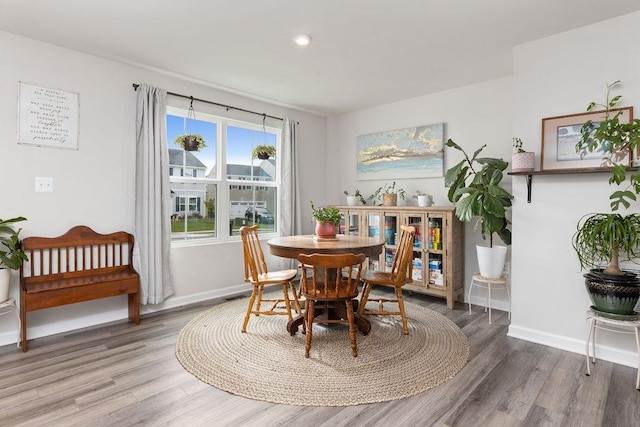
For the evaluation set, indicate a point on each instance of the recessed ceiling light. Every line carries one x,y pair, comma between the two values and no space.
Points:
303,40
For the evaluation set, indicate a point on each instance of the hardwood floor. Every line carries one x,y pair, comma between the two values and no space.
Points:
122,374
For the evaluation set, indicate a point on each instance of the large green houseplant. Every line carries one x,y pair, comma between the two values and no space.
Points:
474,187
602,239
11,255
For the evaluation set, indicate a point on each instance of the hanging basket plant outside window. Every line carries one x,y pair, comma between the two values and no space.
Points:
190,141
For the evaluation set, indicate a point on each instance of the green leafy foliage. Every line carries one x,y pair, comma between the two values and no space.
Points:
615,140
326,214
11,256
264,151
601,238
474,187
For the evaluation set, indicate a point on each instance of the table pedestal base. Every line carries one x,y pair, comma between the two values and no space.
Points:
340,312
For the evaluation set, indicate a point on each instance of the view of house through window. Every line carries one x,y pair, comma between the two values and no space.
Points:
247,191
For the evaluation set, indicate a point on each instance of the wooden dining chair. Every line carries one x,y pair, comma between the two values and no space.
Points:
256,273
330,283
396,278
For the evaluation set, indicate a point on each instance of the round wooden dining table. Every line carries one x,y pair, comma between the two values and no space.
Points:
292,246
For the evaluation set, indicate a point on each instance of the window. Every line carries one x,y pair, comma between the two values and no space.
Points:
248,190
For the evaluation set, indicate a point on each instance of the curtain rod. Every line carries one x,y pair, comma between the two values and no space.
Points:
228,107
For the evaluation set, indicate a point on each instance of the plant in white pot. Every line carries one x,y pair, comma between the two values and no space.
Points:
521,160
424,199
11,256
474,187
355,198
602,239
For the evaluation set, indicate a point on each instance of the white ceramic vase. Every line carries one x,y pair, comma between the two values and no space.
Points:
5,279
491,260
352,200
424,201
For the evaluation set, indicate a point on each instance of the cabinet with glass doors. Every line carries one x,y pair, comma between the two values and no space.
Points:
438,252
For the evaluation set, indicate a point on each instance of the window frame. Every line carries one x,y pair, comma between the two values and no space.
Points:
222,182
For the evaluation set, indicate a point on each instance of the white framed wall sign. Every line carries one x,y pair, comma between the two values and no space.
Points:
47,117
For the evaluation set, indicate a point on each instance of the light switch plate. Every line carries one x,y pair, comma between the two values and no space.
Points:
44,184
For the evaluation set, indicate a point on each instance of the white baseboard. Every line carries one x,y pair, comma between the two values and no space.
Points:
68,325
610,354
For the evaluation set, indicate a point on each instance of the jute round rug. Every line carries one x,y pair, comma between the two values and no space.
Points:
267,363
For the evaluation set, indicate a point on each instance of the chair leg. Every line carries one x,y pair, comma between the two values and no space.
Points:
403,315
249,307
260,289
365,297
352,328
309,320
304,316
287,303
296,300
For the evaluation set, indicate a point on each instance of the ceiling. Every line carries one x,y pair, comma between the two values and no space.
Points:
364,53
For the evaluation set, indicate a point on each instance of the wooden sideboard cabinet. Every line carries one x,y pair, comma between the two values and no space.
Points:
438,252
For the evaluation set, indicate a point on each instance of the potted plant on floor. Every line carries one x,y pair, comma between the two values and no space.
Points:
11,256
602,239
263,152
474,187
327,221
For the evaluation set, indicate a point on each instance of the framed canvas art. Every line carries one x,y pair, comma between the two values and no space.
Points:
561,134
416,152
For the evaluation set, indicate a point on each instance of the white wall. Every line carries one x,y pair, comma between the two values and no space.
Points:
473,115
557,76
553,76
95,185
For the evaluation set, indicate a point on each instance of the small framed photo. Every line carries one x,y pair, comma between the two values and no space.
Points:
561,134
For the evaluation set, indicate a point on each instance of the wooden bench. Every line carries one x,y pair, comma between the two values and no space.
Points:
81,265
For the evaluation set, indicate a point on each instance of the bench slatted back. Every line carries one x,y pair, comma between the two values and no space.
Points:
80,249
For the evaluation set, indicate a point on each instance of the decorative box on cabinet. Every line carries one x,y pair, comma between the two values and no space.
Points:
438,264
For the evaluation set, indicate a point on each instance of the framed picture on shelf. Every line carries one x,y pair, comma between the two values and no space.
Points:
561,134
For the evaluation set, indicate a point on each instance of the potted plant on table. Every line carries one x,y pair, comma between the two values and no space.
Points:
11,256
327,221
474,187
602,239
352,200
190,142
263,152
521,160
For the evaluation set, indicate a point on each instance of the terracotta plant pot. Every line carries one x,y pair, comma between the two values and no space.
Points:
326,230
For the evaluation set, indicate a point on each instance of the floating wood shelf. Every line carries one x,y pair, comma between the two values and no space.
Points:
529,175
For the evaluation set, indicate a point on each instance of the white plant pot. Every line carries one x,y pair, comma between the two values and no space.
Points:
424,201
353,200
491,260
523,162
5,279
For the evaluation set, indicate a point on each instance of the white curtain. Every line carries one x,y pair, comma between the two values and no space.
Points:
290,215
152,228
